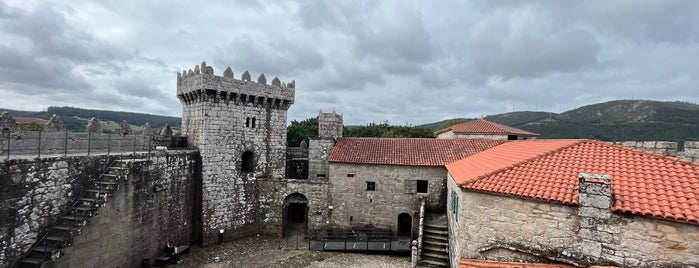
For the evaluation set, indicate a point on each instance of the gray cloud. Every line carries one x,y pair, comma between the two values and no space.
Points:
403,61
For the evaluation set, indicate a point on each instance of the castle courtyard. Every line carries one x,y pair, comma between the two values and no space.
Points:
266,251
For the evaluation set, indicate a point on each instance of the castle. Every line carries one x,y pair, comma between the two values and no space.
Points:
480,194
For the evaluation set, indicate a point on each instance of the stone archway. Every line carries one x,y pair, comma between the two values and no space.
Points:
295,215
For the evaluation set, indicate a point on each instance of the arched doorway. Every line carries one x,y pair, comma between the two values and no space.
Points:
405,225
295,215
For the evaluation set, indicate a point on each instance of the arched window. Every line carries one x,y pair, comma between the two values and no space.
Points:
248,162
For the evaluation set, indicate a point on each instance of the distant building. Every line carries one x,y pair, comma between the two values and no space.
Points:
484,129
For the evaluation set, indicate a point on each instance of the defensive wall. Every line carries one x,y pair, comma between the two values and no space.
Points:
155,204
689,150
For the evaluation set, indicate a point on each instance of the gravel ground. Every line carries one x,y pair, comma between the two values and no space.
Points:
261,251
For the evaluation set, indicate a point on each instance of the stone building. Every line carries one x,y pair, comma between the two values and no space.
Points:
579,202
379,182
484,129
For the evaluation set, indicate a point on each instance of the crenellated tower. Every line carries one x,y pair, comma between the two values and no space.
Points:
239,126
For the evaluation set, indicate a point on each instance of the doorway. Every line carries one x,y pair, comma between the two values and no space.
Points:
405,223
295,215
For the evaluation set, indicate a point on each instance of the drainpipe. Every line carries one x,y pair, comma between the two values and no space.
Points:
420,228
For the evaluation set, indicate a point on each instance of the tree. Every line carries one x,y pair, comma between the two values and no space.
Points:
451,122
301,131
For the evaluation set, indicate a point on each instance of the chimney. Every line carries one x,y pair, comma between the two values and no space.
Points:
597,233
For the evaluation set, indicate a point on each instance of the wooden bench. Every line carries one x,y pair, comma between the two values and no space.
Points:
164,261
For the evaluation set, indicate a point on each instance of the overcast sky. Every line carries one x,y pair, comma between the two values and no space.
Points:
403,61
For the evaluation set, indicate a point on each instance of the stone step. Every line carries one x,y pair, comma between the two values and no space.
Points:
438,256
46,249
436,231
439,226
434,248
436,237
36,261
92,200
433,242
435,262
65,228
57,238
78,220
106,182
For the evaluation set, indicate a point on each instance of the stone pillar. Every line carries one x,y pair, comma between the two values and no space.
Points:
147,130
55,124
124,128
598,231
691,151
94,126
413,251
8,122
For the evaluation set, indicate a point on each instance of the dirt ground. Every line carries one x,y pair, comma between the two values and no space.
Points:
262,251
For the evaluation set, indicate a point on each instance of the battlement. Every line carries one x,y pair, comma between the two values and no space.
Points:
201,84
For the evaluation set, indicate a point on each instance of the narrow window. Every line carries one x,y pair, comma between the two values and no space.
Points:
253,122
247,122
421,186
248,163
455,205
320,175
371,186
350,175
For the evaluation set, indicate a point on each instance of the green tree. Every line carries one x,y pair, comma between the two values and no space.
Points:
451,122
300,131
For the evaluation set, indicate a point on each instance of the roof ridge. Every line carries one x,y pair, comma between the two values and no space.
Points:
672,159
523,161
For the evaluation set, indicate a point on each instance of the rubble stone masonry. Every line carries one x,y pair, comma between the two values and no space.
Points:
507,228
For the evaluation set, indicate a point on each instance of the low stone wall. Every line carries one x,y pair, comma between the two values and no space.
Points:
691,151
659,147
506,228
354,206
135,223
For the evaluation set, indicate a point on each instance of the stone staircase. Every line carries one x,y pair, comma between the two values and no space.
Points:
60,235
435,242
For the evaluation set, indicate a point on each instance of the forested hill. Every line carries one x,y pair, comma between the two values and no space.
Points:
611,121
75,118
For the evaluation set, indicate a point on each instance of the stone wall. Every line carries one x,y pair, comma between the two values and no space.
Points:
227,119
451,135
354,206
60,143
318,153
658,147
509,228
691,151
133,225
272,197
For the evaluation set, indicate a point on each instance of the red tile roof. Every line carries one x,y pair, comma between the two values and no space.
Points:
481,126
406,151
643,183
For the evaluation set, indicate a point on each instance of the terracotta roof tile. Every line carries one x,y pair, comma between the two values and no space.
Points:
643,183
481,126
406,151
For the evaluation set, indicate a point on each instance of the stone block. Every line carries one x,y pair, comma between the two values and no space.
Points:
596,213
594,200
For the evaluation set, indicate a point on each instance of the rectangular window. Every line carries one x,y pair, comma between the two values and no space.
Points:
371,186
421,186
350,175
410,186
320,175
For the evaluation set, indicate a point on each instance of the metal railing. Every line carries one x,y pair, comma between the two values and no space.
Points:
16,144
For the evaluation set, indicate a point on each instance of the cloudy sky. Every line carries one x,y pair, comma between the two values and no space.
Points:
404,61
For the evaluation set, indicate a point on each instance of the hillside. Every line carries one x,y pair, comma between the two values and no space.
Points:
75,119
611,121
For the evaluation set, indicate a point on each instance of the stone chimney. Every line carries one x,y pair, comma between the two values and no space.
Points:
597,233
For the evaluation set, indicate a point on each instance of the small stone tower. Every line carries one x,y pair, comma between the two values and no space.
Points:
239,127
329,125
329,129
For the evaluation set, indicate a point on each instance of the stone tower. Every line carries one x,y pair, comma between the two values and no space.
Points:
329,129
239,127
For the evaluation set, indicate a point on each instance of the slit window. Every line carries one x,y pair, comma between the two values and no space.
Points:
247,122
350,175
253,122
